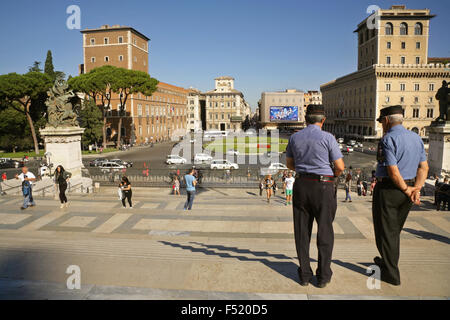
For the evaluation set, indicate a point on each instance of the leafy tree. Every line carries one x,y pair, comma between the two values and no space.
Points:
100,84
36,67
12,133
128,82
97,86
22,92
91,120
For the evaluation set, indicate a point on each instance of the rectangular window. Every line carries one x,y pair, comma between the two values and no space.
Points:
415,113
93,59
139,110
388,60
120,40
106,59
416,100
417,45
403,45
388,87
417,60
402,60
416,87
106,40
431,87
429,113
388,99
147,110
92,42
430,100
402,99
402,87
120,58
388,45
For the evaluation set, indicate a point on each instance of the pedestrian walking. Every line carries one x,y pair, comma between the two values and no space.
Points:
62,177
27,177
288,187
268,185
190,189
359,187
2,180
373,182
348,185
283,179
127,193
176,186
315,156
261,187
401,172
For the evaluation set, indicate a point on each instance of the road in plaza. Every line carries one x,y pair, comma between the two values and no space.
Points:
155,157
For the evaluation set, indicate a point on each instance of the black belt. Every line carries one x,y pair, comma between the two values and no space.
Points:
409,182
314,177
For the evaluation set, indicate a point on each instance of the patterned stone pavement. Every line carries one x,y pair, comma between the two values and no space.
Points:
231,245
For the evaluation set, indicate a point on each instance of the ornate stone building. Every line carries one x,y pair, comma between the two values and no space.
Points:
312,97
196,108
393,69
147,118
226,108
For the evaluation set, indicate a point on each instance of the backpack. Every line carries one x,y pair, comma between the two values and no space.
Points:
26,188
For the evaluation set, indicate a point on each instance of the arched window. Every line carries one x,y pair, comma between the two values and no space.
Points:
389,29
418,29
416,130
403,29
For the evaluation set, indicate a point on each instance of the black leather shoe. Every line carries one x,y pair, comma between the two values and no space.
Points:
389,280
302,282
379,262
323,283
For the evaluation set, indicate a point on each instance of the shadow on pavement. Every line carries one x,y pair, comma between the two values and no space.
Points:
428,235
287,269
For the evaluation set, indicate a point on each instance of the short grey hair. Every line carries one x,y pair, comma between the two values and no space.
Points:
395,118
314,118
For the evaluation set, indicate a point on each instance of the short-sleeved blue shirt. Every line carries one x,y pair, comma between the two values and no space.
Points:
313,151
189,182
402,148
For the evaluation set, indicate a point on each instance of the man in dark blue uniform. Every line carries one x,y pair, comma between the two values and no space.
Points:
317,160
401,172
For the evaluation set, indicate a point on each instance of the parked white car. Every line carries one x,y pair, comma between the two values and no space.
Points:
277,166
232,152
109,166
175,159
348,148
200,157
223,164
352,142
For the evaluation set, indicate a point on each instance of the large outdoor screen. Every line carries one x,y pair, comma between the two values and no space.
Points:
283,113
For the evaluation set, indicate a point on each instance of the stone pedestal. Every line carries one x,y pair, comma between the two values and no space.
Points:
439,149
64,144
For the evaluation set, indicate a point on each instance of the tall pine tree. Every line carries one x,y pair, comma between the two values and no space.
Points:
48,68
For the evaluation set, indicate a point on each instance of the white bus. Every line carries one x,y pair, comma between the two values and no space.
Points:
209,135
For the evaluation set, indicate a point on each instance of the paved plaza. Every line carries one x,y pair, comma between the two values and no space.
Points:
232,245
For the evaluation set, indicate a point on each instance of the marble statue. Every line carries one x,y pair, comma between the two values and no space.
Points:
59,106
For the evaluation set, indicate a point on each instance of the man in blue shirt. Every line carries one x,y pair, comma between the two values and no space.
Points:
190,189
401,172
317,160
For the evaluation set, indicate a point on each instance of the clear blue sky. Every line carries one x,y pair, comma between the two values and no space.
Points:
263,44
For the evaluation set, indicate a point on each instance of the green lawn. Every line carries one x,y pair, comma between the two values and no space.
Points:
246,145
21,154
107,150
